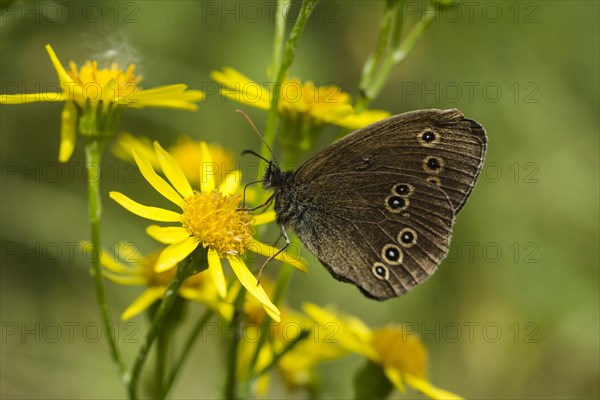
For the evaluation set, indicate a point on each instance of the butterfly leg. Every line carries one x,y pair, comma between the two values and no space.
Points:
287,243
264,205
244,196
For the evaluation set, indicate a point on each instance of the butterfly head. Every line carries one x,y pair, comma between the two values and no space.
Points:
275,178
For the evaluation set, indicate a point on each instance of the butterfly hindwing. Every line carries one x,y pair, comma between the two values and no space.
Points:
385,232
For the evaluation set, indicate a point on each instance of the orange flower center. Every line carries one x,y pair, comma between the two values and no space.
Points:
215,220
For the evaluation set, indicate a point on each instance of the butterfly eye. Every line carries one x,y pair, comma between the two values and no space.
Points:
396,204
392,254
428,138
435,180
407,237
403,189
380,271
433,165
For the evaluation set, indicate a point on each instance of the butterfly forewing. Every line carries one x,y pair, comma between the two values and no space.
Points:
440,147
385,232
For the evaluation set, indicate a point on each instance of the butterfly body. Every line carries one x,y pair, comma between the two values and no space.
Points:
377,206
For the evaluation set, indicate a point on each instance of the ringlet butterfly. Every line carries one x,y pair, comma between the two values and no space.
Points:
377,206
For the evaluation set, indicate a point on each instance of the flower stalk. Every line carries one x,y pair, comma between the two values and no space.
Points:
186,351
93,154
304,334
195,263
289,53
390,50
235,326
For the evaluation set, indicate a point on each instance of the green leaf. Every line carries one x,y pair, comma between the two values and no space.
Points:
370,382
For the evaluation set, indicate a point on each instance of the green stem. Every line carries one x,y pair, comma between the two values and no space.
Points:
278,38
402,52
287,59
303,335
196,263
283,281
162,345
93,154
235,328
375,76
372,63
186,351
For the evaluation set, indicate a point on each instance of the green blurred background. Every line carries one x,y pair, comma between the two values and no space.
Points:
513,311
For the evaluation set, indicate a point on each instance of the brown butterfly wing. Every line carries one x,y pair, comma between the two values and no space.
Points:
439,146
353,222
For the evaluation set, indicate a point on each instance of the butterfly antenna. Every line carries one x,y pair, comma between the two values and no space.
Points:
262,138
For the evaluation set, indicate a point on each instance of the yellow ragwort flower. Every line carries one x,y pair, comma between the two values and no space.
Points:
327,104
94,98
209,218
401,354
134,269
297,367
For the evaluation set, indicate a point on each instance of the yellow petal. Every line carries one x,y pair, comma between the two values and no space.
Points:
347,337
126,142
425,387
231,78
164,91
367,117
171,92
216,272
71,89
395,377
68,125
23,98
251,284
231,183
207,169
167,234
242,89
268,251
130,254
258,100
156,181
174,253
162,103
264,218
172,171
63,76
332,114
172,96
110,264
125,280
212,301
154,213
107,93
145,300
